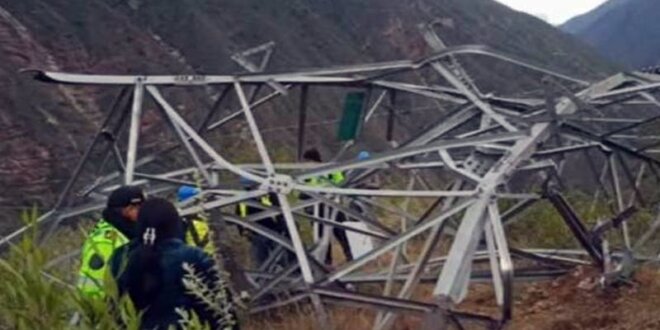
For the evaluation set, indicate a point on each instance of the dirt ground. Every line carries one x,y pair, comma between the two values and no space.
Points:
572,302
576,301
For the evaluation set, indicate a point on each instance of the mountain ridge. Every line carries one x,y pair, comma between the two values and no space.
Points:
45,128
624,31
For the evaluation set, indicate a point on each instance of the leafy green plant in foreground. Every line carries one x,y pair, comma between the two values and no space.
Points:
28,298
32,298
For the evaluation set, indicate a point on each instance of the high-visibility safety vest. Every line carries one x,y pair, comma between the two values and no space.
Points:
198,234
104,239
101,242
335,178
243,208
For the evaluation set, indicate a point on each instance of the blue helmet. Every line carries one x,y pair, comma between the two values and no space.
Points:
186,192
364,155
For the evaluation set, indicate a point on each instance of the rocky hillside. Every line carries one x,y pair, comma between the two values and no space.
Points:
624,31
44,129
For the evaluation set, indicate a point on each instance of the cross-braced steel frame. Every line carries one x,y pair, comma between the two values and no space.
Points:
477,168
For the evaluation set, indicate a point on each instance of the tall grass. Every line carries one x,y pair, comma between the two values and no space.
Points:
32,295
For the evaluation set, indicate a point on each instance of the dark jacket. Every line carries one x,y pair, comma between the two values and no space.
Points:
161,313
276,224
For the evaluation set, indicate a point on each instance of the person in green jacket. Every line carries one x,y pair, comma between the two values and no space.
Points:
116,228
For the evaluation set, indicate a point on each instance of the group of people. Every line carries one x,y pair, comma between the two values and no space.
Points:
144,244
263,249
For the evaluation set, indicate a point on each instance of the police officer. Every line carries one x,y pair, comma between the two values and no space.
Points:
196,227
261,247
324,211
115,229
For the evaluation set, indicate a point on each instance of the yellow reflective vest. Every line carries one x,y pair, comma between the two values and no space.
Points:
243,208
96,252
199,234
104,239
335,178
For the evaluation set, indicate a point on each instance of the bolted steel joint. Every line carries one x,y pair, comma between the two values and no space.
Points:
278,183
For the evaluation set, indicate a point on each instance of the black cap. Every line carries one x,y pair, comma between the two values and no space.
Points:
125,196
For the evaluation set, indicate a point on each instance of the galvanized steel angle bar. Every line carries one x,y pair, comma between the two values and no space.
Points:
483,106
350,213
199,140
256,134
272,284
278,304
395,241
375,106
398,253
422,261
272,211
449,162
496,275
134,131
202,127
505,262
591,245
101,133
385,207
441,128
375,300
405,152
385,192
453,279
335,224
184,140
542,259
254,105
303,262
633,181
618,194
318,76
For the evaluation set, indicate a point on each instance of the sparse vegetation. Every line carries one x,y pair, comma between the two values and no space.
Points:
33,296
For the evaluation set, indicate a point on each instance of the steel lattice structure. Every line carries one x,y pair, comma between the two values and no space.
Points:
472,154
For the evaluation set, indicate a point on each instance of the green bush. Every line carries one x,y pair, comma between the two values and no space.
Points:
33,298
541,226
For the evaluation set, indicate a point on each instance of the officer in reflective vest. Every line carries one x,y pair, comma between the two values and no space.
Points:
116,228
261,247
333,179
243,209
197,230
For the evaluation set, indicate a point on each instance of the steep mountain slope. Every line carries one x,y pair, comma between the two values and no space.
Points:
583,22
624,31
44,129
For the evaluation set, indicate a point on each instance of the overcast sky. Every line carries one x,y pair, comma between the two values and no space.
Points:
554,11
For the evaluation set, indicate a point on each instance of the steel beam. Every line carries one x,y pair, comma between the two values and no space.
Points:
134,131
